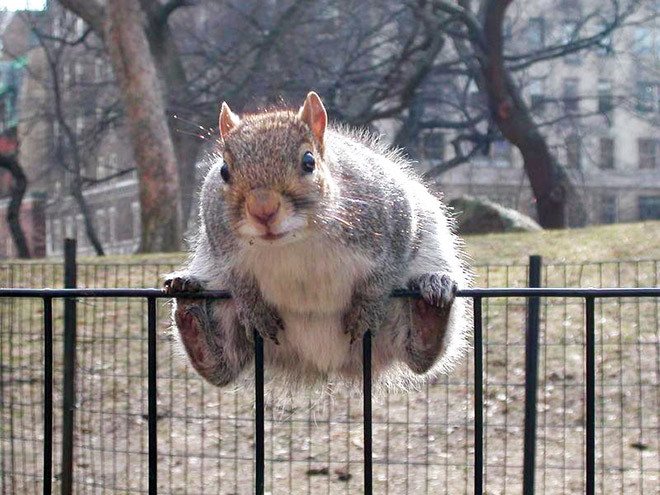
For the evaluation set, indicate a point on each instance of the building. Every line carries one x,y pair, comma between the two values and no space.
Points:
606,103
600,109
16,42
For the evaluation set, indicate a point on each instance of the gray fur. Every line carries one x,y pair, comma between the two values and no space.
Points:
364,206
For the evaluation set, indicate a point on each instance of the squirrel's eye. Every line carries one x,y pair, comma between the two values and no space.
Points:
308,162
224,172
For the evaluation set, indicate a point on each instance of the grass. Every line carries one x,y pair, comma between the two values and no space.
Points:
626,241
421,439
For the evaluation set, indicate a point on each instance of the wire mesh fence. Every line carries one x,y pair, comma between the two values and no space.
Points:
423,442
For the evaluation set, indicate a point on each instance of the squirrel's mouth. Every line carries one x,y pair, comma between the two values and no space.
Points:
273,237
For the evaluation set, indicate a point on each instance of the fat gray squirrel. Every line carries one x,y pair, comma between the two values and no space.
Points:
310,227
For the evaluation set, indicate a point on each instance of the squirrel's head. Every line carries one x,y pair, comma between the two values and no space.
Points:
273,173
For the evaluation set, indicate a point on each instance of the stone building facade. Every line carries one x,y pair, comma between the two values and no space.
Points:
611,147
613,154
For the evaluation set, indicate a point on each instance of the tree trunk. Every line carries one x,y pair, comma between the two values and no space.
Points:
77,194
550,183
171,71
19,185
144,107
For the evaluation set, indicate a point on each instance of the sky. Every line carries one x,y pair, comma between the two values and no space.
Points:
22,4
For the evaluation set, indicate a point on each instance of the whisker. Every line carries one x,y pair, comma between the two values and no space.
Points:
191,123
200,136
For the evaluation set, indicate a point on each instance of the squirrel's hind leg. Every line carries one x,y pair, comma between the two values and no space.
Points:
209,331
429,320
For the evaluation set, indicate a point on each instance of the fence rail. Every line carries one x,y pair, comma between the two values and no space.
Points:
479,296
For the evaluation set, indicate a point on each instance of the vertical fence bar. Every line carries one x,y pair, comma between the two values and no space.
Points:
366,398
48,395
478,399
531,377
259,413
591,397
151,392
69,387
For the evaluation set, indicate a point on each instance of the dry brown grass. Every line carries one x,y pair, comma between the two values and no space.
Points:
423,441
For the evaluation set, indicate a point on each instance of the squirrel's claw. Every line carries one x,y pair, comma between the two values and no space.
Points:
267,324
437,289
181,283
359,320
270,333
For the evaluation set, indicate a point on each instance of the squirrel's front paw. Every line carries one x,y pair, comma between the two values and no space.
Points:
267,322
361,318
437,289
177,283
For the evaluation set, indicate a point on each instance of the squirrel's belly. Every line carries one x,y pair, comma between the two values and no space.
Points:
317,339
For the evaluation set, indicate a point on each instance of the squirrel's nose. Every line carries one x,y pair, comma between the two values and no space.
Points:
263,204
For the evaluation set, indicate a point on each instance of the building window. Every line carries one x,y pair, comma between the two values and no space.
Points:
80,231
57,235
649,207
57,27
499,155
536,33
70,228
56,133
501,152
78,71
537,93
101,167
571,100
80,27
606,153
573,151
642,41
112,212
648,153
605,97
647,96
66,75
568,34
101,226
137,225
98,70
49,237
112,162
605,45
80,125
475,98
433,144
607,209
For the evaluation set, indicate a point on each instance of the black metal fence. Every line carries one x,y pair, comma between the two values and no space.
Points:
565,457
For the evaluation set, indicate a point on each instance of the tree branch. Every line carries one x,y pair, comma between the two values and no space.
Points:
91,11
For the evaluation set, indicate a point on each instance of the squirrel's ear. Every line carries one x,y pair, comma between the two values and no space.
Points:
313,114
227,121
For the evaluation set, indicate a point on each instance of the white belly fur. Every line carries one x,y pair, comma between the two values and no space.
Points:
310,283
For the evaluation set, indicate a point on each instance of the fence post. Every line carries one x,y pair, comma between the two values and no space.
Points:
478,398
259,434
531,376
367,413
69,390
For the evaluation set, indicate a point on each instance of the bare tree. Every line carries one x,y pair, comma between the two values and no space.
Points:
479,42
416,62
72,161
123,27
18,188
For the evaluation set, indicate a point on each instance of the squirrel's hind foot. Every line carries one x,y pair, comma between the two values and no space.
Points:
429,319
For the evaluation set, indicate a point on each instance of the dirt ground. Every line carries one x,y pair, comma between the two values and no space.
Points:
423,440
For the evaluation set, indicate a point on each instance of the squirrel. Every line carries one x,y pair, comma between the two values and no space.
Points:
310,227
